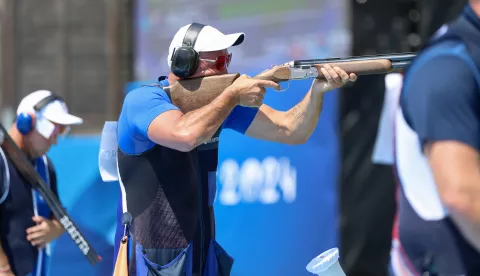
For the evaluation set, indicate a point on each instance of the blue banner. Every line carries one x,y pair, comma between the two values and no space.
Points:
276,204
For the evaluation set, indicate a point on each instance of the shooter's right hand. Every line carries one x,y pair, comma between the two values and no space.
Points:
249,91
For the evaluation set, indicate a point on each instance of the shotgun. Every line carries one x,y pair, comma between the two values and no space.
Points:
194,93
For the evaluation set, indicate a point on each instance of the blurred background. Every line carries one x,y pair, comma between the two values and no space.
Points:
323,194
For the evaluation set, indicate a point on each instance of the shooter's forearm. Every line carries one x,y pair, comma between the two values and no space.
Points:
302,119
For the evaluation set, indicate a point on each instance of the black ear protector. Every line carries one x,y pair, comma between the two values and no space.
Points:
49,99
185,59
26,121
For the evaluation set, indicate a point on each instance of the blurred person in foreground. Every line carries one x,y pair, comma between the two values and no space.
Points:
436,155
167,160
27,225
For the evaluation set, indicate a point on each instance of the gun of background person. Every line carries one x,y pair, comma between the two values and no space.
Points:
194,93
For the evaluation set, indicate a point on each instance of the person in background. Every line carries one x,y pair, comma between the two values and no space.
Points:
436,155
26,223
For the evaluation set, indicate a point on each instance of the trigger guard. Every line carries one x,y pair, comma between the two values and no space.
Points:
288,86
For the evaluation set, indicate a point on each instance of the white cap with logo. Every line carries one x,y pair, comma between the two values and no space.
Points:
209,39
54,112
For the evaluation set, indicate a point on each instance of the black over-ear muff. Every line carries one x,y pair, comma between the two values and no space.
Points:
49,99
185,59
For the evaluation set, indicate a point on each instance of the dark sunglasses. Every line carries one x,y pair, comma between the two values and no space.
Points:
221,62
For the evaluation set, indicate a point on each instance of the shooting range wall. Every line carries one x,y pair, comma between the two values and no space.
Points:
80,50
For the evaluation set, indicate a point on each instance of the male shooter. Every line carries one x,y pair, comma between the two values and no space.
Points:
164,163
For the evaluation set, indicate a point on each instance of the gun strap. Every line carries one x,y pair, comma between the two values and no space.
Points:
121,263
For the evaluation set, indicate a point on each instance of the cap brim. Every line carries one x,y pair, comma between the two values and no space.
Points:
66,119
224,42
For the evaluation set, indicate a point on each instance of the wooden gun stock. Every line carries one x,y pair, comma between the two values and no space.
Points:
192,94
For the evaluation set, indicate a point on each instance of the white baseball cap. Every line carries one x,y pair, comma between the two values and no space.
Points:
56,111
209,39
